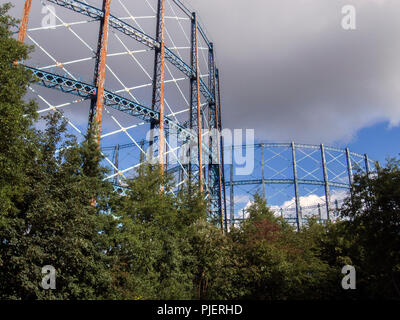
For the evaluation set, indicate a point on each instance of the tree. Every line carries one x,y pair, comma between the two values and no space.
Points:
60,225
213,262
150,247
16,118
372,226
17,139
277,262
191,205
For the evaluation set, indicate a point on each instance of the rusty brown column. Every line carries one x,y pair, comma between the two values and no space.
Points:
24,22
102,71
199,138
159,86
162,87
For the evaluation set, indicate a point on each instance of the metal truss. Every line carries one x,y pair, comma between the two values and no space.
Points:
87,91
195,112
305,171
136,34
215,176
126,100
285,181
158,97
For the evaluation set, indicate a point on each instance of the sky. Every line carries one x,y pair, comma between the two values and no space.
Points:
289,70
292,72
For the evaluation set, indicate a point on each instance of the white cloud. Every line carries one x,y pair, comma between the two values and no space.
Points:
314,200
311,201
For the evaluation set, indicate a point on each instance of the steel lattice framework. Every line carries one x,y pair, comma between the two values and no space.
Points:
152,77
145,72
297,180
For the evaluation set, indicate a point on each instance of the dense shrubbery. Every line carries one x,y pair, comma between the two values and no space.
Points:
148,244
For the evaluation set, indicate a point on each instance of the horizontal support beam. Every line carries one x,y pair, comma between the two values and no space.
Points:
301,146
286,181
288,219
297,145
87,91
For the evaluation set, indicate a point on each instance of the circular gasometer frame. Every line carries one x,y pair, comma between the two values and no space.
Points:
148,64
298,181
145,71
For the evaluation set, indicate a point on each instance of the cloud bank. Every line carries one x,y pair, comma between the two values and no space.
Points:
291,72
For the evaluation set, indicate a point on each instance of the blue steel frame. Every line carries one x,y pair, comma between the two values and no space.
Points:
296,181
136,34
214,169
89,91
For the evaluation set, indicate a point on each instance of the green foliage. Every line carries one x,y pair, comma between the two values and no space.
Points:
190,205
212,263
47,185
15,147
58,226
372,216
151,247
277,263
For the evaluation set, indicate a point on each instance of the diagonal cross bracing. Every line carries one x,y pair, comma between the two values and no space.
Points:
136,34
117,102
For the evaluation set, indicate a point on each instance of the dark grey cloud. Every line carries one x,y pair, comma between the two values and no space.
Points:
291,72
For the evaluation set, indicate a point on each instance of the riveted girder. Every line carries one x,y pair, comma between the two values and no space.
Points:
100,71
195,122
159,84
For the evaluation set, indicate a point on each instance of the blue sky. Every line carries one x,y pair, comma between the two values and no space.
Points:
379,141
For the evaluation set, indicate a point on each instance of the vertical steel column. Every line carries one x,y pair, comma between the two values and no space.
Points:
262,170
116,164
232,201
326,182
97,102
337,207
195,117
101,68
319,212
212,125
220,209
93,101
159,86
349,166
141,157
193,88
367,169
296,187
221,147
214,169
162,88
24,21
350,173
